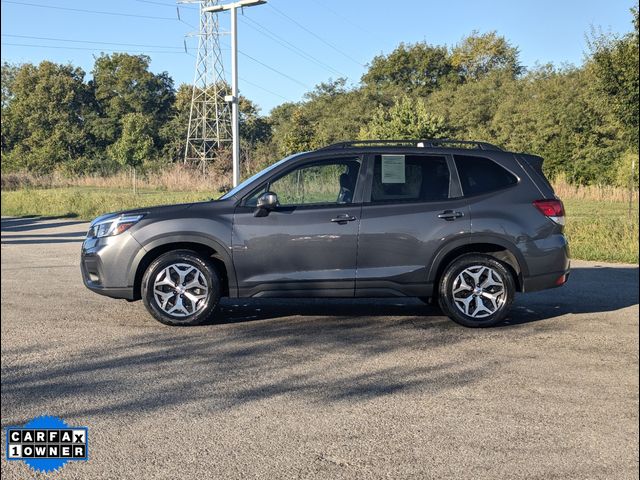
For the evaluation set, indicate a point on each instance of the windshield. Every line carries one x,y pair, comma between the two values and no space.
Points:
240,186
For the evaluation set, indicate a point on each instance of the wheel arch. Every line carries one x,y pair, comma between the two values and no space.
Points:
498,248
207,247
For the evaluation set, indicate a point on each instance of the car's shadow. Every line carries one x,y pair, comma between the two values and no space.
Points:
26,224
19,230
314,351
589,290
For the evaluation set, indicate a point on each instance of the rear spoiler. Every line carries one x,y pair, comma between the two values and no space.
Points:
532,164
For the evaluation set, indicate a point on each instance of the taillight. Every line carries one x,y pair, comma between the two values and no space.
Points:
552,209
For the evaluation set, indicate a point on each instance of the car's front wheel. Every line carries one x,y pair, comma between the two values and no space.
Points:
476,290
181,288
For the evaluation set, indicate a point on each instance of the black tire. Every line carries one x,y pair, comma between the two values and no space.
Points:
501,307
203,309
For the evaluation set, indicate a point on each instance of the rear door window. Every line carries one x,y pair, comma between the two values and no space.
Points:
410,178
480,175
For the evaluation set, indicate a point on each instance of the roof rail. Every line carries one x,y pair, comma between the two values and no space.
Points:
424,143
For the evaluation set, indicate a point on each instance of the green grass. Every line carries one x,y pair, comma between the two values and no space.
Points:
602,231
88,202
597,230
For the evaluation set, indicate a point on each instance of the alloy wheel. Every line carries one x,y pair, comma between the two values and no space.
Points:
180,289
479,291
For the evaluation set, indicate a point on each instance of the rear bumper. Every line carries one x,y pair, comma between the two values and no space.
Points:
546,281
549,264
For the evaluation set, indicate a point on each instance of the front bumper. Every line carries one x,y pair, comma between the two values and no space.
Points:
92,276
105,265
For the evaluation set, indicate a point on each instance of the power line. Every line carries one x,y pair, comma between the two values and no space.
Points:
264,89
85,48
340,16
81,10
100,12
60,47
290,46
162,4
344,54
129,51
289,77
89,41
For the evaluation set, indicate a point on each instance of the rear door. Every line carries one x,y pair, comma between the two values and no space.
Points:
411,209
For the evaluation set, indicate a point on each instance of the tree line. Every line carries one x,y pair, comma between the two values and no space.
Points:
582,119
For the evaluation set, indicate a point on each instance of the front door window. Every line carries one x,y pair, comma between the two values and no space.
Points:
324,183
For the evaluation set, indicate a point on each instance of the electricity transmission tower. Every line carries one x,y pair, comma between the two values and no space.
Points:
209,115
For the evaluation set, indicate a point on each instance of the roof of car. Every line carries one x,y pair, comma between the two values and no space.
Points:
419,143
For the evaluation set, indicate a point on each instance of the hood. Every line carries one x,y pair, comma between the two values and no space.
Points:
158,209
148,211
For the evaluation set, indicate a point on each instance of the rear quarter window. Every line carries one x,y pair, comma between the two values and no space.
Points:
480,175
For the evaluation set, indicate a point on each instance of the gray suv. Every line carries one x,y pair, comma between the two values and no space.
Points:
464,225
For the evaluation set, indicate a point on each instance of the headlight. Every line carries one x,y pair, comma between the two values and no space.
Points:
113,226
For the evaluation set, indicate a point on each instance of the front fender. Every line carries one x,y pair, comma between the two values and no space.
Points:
215,234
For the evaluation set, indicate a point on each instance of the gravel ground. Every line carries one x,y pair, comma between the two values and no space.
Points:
320,389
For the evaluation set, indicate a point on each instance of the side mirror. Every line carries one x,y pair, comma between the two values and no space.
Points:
266,202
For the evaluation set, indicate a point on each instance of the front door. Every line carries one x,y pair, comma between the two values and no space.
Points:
308,245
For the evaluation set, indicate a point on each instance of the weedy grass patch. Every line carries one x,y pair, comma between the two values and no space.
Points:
87,203
602,230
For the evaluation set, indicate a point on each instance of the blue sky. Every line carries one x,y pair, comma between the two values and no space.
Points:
320,39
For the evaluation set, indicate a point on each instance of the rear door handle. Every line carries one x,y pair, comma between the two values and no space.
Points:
450,215
343,219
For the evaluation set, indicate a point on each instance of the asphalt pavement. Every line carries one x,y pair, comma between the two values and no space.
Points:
320,389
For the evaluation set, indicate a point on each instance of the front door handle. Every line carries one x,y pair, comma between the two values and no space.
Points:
342,219
450,215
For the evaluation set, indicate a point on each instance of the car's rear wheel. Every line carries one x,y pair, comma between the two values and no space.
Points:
181,288
476,290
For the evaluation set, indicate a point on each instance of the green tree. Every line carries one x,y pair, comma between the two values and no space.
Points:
479,54
135,144
627,170
554,113
468,109
407,119
336,112
299,135
173,132
254,128
9,72
413,69
615,64
43,116
123,84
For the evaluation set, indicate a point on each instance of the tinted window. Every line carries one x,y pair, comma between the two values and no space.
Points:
327,182
411,178
481,175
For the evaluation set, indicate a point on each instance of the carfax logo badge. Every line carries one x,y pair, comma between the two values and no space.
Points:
46,444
